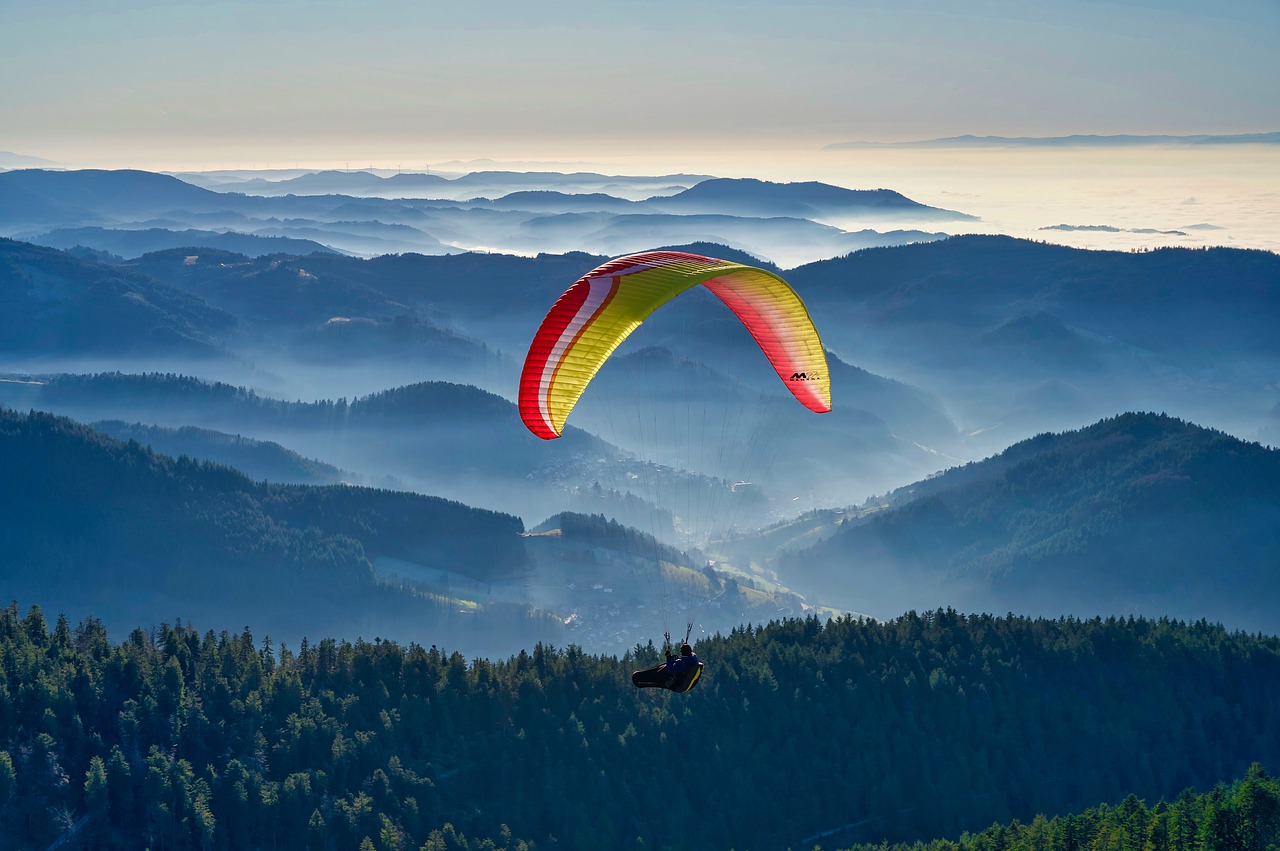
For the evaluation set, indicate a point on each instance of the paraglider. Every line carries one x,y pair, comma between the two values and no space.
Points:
679,673
603,307
595,315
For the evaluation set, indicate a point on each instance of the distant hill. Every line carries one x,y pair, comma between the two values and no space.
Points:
1139,514
563,202
111,195
8,159
293,292
499,299
97,525
472,185
989,323
339,183
622,586
312,290
1114,229
271,290
216,302
361,238
54,304
708,401
348,341
723,252
134,243
1091,141
312,311
188,525
786,240
363,213
260,460
440,438
751,197
22,210
1173,299
467,444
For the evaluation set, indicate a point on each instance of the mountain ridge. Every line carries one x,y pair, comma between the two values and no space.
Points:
800,199
1089,140
1139,513
54,303
194,538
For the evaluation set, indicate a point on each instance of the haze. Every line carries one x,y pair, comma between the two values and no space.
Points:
165,85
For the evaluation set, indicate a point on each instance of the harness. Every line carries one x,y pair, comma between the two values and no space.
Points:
693,680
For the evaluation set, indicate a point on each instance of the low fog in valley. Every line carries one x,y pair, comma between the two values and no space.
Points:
396,366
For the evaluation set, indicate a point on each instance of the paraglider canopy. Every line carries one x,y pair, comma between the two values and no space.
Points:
594,316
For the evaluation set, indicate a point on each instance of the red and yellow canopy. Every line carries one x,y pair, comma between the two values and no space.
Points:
604,306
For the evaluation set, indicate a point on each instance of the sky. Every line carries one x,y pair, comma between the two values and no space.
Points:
381,82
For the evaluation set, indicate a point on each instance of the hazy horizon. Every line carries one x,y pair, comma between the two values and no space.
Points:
1145,197
169,83
729,89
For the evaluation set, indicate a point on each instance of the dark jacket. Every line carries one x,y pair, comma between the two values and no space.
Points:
682,671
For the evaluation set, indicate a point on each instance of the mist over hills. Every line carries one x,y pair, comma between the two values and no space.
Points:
984,323
786,240
1145,298
1139,514
157,538
131,212
260,460
135,243
221,306
564,202
93,196
730,420
981,341
442,439
97,526
485,184
805,200
52,303
988,322
939,353
620,586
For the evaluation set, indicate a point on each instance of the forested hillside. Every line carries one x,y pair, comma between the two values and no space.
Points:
257,459
472,286
52,303
431,429
437,437
856,731
1140,513
1242,815
1019,337
1176,301
95,525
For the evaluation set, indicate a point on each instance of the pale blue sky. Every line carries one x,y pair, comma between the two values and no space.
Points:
94,82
